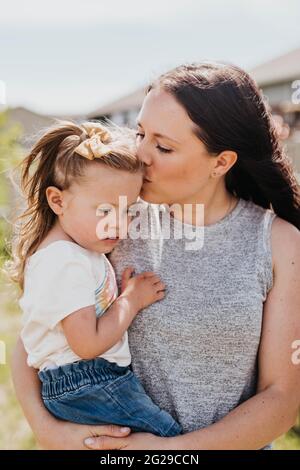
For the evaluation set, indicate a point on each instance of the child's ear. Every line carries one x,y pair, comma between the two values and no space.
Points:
55,199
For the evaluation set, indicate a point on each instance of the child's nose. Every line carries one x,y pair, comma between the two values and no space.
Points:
113,230
122,227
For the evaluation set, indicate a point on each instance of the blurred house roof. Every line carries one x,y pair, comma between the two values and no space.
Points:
124,104
30,121
281,69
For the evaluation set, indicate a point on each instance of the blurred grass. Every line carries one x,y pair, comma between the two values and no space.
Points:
14,430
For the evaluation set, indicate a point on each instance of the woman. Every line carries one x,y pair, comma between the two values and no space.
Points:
217,351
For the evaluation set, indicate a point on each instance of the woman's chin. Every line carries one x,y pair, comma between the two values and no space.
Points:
149,196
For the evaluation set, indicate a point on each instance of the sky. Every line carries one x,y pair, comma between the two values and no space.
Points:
72,56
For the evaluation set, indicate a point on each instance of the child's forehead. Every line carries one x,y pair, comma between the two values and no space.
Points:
108,186
95,170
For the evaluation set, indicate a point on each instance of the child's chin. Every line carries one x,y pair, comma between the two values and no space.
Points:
104,249
108,250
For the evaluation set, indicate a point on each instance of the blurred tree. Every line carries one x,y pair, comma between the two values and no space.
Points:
10,153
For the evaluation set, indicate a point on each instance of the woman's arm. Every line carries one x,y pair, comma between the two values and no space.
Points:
273,410
50,432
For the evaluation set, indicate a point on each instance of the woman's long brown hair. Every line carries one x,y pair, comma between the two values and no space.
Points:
229,113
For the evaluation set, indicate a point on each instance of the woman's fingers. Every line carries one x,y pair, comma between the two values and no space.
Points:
106,436
104,443
110,430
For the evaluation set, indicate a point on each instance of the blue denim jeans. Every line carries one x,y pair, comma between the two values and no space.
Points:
99,392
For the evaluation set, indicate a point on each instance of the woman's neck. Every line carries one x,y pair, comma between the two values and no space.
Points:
206,208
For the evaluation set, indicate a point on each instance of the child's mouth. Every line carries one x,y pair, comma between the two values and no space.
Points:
111,239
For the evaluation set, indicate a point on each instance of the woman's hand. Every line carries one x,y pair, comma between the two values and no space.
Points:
136,441
70,436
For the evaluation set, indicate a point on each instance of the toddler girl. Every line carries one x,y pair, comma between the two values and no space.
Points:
74,323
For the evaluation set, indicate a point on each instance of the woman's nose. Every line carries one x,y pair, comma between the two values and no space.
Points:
143,155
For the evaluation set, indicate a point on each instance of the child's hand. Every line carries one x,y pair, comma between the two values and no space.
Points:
143,289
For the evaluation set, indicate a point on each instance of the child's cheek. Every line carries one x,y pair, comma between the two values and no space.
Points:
100,229
85,228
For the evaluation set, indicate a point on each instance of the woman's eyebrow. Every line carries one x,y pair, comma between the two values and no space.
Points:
157,134
165,137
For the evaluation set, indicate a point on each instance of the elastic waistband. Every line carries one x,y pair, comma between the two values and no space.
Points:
72,376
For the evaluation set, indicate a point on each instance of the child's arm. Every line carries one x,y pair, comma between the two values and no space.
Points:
90,337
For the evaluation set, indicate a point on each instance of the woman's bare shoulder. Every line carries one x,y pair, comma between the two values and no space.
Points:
285,242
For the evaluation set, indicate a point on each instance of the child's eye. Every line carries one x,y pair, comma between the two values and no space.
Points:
102,212
163,149
139,135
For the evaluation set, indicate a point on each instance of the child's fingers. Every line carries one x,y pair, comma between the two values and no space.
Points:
147,274
160,295
155,279
126,275
160,286
151,277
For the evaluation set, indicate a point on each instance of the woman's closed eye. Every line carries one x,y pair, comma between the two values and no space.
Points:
161,149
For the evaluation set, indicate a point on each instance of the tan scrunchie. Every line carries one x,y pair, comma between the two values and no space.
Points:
97,144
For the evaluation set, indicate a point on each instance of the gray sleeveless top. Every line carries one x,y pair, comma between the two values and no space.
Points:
195,352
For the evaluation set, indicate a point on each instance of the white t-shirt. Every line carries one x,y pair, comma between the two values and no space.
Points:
60,279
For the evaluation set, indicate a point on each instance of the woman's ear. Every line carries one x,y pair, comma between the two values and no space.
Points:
55,199
224,161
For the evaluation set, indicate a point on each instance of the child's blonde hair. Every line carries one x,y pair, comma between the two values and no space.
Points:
57,159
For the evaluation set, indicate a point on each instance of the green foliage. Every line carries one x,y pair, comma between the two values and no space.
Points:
10,154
